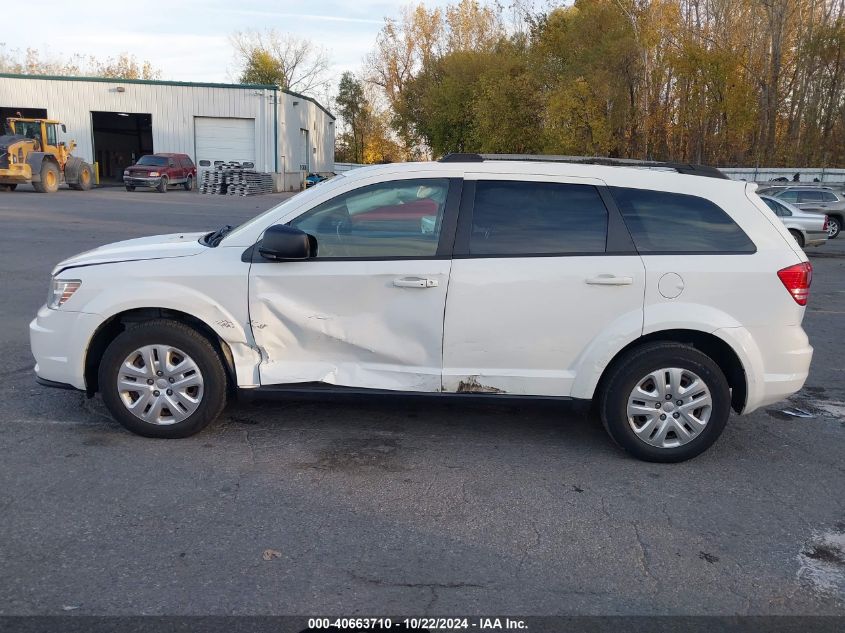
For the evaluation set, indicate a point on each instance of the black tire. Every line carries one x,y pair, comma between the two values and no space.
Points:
626,373
189,184
12,187
162,185
86,177
798,237
49,178
835,224
192,343
130,188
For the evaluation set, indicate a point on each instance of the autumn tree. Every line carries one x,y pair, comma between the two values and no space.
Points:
729,82
33,62
274,58
367,136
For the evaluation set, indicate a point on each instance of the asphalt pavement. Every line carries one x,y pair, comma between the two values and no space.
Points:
368,508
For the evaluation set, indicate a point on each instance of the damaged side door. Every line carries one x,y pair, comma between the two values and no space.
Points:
367,309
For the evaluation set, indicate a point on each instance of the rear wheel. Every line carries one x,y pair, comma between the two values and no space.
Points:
163,379
798,237
665,402
834,226
162,185
189,183
49,178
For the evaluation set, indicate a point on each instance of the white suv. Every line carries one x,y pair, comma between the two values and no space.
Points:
666,298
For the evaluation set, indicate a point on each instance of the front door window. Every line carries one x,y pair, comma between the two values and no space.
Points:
397,219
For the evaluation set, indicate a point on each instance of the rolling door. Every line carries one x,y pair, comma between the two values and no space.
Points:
223,140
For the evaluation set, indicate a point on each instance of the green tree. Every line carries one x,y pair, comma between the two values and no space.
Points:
353,108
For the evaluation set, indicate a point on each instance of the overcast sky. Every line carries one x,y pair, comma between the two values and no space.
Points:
188,39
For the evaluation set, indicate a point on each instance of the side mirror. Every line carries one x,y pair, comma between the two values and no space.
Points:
284,243
64,129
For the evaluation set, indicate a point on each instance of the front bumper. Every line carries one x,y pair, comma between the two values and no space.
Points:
139,181
59,341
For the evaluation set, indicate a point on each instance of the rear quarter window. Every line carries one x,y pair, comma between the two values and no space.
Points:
664,222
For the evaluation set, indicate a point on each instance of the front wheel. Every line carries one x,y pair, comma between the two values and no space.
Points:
665,402
163,379
189,183
162,185
130,188
834,226
49,178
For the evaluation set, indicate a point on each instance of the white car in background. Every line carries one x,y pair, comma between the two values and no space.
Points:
808,228
665,298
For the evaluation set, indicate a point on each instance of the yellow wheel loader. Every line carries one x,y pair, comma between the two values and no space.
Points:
30,153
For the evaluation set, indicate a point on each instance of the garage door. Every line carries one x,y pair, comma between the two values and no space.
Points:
224,140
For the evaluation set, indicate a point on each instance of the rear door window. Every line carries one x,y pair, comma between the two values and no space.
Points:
534,218
664,222
809,196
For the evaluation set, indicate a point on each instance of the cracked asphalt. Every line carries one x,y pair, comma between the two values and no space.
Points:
394,507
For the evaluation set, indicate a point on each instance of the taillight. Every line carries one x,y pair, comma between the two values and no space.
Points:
797,279
826,223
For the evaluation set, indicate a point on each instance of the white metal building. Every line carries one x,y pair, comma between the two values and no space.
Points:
115,121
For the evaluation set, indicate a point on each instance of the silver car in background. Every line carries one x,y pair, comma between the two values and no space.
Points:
808,228
814,198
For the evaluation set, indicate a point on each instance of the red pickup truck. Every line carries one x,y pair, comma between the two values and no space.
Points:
160,171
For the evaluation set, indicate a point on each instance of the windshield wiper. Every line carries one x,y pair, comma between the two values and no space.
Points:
215,237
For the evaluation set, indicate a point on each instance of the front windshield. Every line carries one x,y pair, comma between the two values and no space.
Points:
303,197
156,161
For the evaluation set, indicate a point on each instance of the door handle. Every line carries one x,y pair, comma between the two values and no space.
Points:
610,280
415,282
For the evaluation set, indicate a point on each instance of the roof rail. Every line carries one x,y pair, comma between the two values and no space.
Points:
681,168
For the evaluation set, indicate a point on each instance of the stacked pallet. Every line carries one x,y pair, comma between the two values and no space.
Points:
248,182
234,180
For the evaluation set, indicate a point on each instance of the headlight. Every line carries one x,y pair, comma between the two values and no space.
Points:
126,173
153,174
62,290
